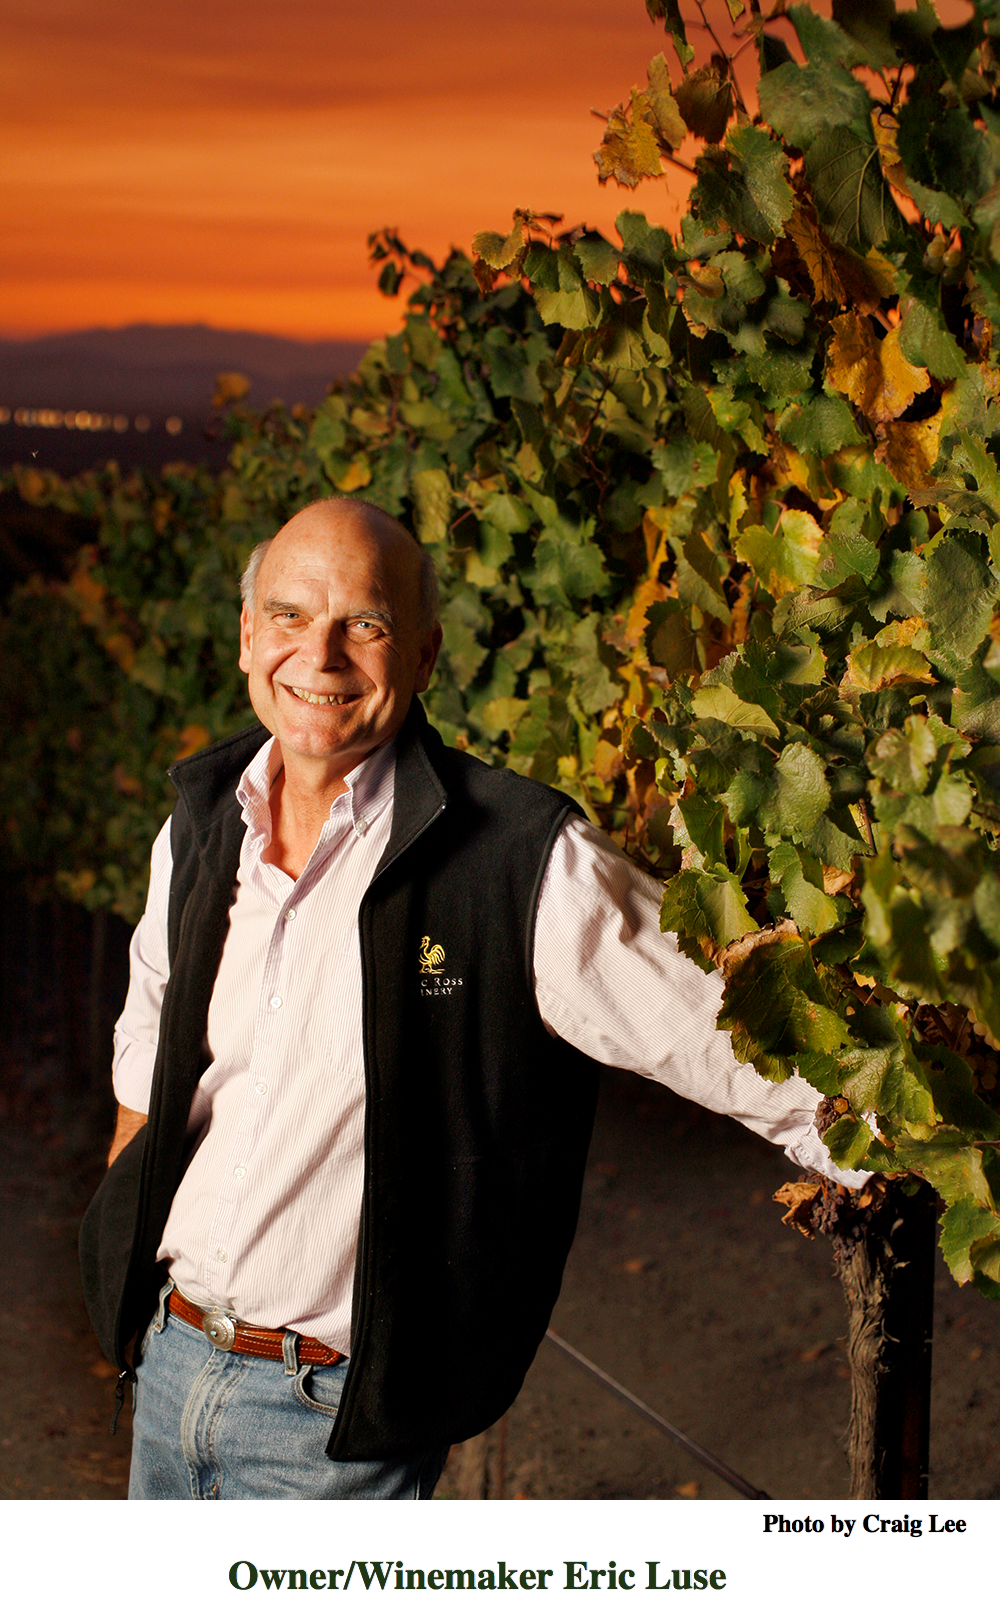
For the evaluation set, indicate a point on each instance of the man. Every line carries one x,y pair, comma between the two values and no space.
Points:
357,1064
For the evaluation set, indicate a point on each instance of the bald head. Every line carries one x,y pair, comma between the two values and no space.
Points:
338,632
339,518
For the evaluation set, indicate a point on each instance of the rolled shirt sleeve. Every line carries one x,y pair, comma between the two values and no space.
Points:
611,983
137,1031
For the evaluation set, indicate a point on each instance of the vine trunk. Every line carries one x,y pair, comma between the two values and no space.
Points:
886,1270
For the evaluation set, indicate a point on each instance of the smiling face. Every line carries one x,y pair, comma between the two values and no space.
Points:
333,644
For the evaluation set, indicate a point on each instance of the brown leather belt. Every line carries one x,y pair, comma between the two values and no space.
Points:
229,1335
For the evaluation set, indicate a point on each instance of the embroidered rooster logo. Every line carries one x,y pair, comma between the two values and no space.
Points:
431,957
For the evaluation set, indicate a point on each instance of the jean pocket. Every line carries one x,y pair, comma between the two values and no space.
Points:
319,1389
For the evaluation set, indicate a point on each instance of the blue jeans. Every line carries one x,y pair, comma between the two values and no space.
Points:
213,1424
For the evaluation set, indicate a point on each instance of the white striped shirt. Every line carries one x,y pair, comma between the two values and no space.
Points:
266,1218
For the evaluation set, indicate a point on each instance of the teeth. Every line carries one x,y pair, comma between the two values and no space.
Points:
322,698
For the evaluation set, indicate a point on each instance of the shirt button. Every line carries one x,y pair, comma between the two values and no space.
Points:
220,1255
261,1087
290,913
275,1002
240,1171
361,824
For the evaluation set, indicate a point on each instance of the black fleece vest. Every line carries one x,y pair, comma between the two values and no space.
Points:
477,1121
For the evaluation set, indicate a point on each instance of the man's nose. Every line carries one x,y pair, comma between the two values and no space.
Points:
326,647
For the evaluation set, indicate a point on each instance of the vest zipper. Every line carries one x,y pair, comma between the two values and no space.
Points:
361,1266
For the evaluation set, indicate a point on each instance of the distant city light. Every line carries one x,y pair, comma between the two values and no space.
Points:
43,417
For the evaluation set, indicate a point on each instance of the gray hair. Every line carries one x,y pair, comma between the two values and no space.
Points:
429,603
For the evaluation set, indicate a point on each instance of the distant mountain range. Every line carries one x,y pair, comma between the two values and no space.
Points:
164,370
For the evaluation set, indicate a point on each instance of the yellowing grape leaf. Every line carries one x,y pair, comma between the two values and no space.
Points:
799,1199
867,281
911,449
122,650
229,386
870,668
874,374
358,474
816,253
660,108
498,251
503,714
432,499
492,252
705,100
86,588
191,739
628,151
912,632
31,483
651,590
785,558
885,128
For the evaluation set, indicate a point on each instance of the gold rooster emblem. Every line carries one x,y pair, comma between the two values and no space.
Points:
431,957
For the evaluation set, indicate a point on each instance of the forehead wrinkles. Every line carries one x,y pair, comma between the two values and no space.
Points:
322,554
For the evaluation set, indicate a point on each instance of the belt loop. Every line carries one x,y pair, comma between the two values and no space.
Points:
290,1351
161,1312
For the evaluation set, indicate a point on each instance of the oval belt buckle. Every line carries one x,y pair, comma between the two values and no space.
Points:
219,1329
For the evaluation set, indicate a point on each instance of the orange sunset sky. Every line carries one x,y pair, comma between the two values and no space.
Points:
222,161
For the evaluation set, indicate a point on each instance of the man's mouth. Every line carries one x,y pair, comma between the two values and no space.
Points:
323,698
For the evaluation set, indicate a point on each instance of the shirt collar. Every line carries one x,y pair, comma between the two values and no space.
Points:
368,792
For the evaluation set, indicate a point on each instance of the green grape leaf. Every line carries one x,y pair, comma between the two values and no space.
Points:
706,911
852,199
765,174
945,1161
722,704
597,258
849,1141
799,103
670,641
774,1008
844,553
785,558
821,425
703,821
797,793
925,341
813,910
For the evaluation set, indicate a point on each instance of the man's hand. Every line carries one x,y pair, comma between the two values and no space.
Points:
126,1127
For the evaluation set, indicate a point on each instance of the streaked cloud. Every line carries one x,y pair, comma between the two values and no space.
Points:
224,162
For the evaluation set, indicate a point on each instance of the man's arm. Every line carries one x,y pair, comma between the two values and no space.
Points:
126,1127
137,1030
609,982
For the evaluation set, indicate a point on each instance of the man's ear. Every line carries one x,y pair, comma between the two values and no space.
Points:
428,659
246,638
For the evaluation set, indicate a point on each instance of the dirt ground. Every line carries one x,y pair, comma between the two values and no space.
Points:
682,1284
